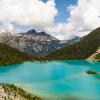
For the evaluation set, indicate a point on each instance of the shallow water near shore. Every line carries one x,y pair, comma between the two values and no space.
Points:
62,80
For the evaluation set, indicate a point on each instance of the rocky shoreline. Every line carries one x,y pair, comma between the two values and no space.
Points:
11,92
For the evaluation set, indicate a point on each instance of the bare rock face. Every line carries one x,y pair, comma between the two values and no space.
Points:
37,44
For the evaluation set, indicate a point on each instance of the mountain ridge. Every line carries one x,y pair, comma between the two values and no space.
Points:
36,44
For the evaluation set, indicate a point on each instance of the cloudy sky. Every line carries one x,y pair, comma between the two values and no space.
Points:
61,18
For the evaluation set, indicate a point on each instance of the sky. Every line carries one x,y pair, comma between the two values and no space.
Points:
60,18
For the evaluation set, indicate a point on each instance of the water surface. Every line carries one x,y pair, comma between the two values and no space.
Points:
63,80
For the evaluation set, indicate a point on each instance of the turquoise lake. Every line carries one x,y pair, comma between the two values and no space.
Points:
62,80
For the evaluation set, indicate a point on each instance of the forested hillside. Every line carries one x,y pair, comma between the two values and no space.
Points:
10,55
79,50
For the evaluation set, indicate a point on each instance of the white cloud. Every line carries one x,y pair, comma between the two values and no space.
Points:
84,17
28,12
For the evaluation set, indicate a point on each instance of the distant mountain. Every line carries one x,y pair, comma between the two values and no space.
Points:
73,40
33,32
82,49
37,44
9,56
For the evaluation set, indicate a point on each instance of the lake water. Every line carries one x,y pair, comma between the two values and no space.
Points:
63,80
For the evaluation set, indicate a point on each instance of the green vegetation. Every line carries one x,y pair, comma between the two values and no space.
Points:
97,57
91,72
11,89
10,55
79,50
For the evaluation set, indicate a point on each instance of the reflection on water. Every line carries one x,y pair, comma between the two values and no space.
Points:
63,80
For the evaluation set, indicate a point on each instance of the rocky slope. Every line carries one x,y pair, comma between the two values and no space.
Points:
37,44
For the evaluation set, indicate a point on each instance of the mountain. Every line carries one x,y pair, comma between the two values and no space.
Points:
82,49
73,40
33,32
37,44
9,55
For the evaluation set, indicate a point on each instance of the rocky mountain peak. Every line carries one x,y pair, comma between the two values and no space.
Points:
38,35
31,32
34,32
